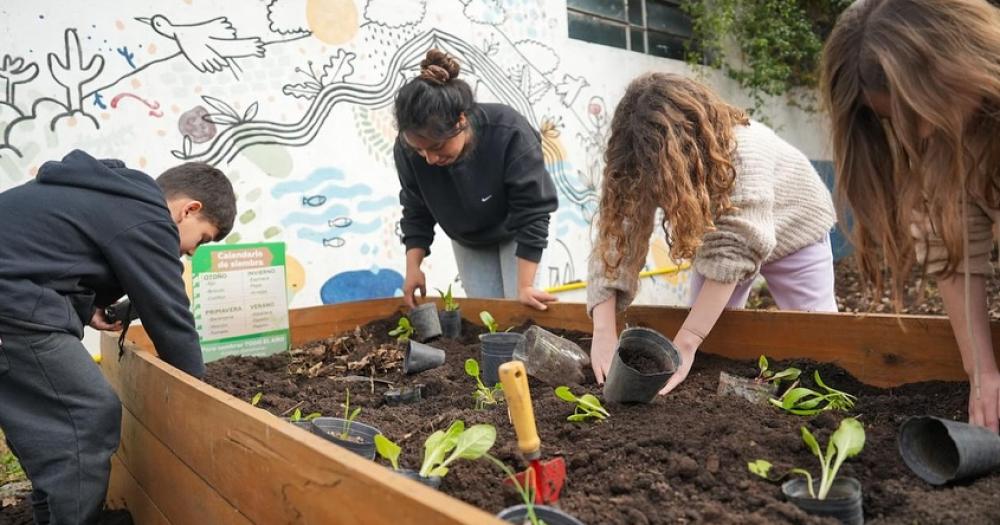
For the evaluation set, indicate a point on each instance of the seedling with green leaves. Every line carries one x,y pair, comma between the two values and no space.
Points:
846,442
297,415
444,447
488,321
255,400
449,301
803,401
587,406
403,331
767,376
483,394
525,490
388,450
349,416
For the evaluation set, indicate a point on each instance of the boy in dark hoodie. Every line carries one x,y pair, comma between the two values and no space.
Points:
72,241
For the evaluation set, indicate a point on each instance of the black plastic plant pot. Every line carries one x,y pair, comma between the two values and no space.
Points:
642,365
404,395
843,502
941,451
752,391
425,321
420,357
451,323
433,482
550,515
360,437
494,350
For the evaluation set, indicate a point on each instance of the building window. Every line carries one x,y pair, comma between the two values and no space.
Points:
654,27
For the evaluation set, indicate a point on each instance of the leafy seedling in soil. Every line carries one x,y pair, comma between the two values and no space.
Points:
488,321
349,416
388,450
587,406
297,415
802,401
255,400
444,447
846,442
403,331
526,492
449,301
483,394
767,376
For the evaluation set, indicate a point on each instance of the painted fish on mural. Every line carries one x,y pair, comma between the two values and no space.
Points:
314,200
340,222
334,242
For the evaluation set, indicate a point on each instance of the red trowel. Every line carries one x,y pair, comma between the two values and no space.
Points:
546,477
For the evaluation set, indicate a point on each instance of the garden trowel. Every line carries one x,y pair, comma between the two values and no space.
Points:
546,478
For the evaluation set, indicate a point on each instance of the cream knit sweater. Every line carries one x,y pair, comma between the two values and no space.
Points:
782,206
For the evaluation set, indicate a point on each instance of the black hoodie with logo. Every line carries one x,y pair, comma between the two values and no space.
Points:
81,234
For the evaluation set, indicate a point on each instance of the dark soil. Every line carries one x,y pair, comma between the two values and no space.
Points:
20,514
642,362
681,459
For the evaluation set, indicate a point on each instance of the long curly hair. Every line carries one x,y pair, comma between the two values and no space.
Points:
671,150
938,62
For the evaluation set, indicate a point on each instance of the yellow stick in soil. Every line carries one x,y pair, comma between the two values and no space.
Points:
666,270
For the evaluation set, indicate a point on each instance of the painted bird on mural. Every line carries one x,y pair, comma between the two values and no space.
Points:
210,46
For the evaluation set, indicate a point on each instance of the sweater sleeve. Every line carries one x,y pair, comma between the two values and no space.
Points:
600,288
531,195
744,238
417,223
146,261
932,252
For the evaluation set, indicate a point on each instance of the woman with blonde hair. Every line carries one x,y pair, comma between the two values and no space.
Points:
735,198
913,92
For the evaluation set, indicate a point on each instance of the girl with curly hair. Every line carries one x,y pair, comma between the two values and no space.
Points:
730,195
913,92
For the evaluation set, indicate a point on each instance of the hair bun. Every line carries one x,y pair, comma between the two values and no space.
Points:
438,67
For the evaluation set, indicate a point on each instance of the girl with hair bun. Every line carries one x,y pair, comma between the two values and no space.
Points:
477,171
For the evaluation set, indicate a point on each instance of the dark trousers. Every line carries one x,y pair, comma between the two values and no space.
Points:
63,422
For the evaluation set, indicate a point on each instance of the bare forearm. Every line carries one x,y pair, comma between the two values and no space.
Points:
414,257
981,344
708,306
526,273
604,317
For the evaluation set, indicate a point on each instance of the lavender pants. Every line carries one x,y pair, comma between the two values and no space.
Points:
801,280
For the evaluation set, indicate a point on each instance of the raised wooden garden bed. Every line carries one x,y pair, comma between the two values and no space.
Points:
193,454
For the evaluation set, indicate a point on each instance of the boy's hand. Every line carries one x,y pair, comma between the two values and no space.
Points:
99,322
415,280
535,298
985,410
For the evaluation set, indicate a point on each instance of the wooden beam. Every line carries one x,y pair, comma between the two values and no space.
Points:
124,492
271,471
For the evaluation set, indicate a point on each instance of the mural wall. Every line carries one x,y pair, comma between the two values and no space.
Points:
292,99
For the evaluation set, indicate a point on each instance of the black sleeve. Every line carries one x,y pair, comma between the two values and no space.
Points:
417,223
531,195
146,261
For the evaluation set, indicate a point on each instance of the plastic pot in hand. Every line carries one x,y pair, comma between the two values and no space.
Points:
551,359
643,363
433,482
425,321
495,350
360,437
451,323
941,451
550,515
843,502
420,357
752,391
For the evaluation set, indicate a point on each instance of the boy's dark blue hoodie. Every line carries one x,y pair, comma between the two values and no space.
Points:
81,234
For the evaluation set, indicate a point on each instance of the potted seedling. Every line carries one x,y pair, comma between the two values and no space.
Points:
441,449
451,317
483,395
348,433
587,406
802,401
496,348
426,321
528,512
642,365
757,390
836,497
417,357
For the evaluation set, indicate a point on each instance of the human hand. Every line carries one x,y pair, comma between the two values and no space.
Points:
535,298
984,411
687,345
415,280
602,352
99,322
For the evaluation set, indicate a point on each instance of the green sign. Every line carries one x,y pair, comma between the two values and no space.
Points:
239,299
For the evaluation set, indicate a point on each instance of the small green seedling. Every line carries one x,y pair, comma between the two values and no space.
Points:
388,450
846,442
489,322
587,406
802,401
449,301
297,416
349,416
255,400
526,492
462,443
403,331
483,394
767,376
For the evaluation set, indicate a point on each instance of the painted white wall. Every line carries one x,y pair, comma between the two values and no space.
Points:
305,131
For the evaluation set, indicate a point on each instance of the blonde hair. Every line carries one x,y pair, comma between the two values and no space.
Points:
933,58
670,149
